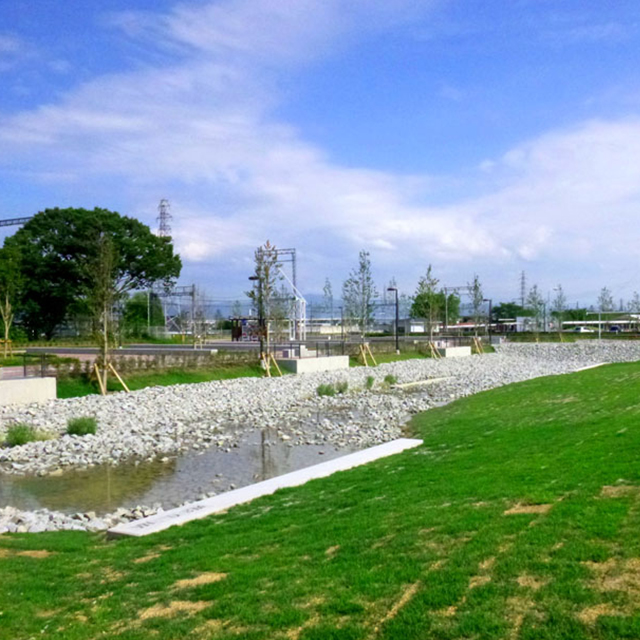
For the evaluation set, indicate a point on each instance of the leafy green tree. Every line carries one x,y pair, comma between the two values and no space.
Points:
507,310
10,283
358,294
59,249
142,310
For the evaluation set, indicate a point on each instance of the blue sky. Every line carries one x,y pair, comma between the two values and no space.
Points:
483,137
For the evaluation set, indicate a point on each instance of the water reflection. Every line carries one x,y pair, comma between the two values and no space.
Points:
259,455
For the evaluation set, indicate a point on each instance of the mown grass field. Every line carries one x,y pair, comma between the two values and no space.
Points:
75,387
518,518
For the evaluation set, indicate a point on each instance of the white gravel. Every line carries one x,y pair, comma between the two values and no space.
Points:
162,421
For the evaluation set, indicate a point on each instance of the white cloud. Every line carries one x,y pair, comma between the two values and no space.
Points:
202,129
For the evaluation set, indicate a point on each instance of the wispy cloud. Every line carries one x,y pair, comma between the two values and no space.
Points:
201,131
12,51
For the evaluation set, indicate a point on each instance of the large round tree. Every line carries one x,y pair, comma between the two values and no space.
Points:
61,251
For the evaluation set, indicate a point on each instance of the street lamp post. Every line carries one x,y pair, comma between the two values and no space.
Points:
395,289
490,314
260,314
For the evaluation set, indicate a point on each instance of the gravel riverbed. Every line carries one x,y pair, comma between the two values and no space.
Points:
160,422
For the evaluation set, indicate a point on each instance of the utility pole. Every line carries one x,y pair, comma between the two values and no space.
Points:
523,288
395,290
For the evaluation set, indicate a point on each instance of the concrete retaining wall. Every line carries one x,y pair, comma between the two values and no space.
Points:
26,390
455,352
313,365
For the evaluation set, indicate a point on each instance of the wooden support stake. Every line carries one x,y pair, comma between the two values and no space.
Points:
266,364
117,375
433,351
368,348
363,355
275,364
103,389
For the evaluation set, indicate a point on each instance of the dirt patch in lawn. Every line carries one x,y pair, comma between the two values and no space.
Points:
35,553
590,615
534,509
527,581
203,578
618,491
173,609
407,594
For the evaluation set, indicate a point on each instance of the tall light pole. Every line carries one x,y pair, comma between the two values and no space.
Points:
395,289
490,314
260,314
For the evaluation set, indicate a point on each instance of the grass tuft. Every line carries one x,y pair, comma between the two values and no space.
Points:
82,426
326,390
19,434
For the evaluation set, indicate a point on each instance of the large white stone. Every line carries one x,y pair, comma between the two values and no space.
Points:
27,390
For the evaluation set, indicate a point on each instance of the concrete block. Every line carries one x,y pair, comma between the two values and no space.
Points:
313,365
27,390
454,352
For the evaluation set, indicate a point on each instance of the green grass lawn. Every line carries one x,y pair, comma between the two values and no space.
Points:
74,387
518,518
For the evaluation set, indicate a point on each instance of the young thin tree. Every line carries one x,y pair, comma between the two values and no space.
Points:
477,302
427,303
101,299
265,281
358,294
327,292
236,309
10,280
535,302
559,306
633,306
605,300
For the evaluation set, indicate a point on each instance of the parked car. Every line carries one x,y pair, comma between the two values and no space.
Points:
615,328
583,330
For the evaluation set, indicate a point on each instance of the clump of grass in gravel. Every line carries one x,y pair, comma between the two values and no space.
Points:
517,518
369,382
326,390
82,426
19,434
342,387
390,379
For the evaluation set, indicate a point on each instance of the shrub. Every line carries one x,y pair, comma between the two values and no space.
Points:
390,379
342,386
370,382
82,426
326,390
20,433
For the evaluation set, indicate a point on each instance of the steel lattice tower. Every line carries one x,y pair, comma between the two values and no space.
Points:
164,219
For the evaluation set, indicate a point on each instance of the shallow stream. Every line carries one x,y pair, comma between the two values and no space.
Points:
259,455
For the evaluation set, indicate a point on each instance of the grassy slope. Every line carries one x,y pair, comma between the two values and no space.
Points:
421,545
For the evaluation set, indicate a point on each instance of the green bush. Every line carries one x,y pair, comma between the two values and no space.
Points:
20,433
326,390
82,426
390,379
342,386
370,382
